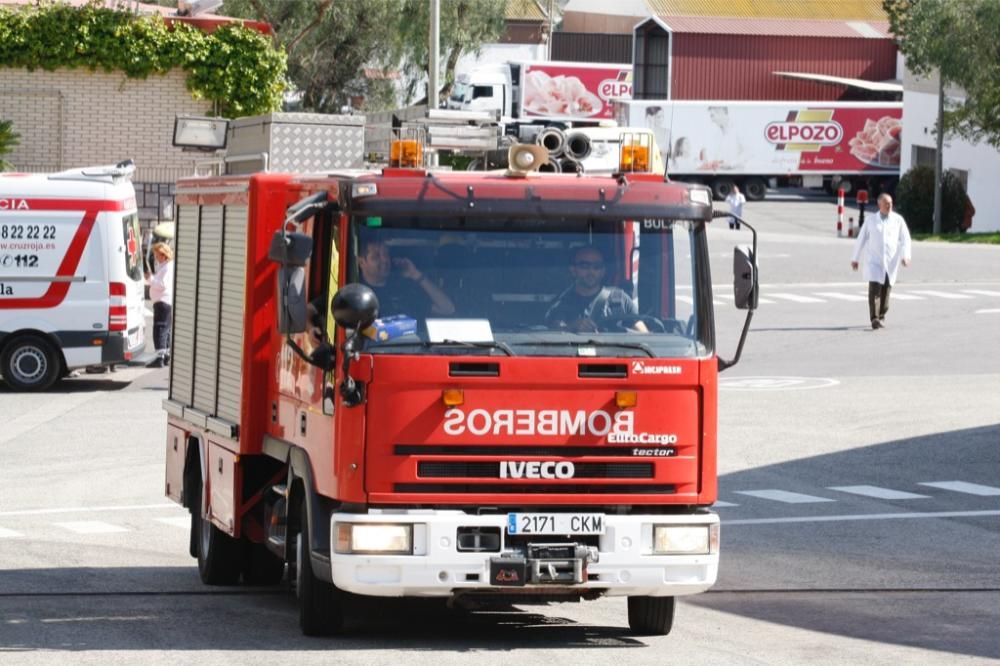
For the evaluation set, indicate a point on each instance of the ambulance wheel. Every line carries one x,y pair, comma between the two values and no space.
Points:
321,611
30,363
219,555
651,616
260,565
755,189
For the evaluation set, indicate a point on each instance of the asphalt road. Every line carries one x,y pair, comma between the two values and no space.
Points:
859,494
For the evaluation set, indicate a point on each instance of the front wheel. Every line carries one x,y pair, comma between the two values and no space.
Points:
321,608
651,616
755,189
30,363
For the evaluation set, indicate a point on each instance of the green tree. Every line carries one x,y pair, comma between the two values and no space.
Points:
961,39
465,26
915,200
8,139
339,50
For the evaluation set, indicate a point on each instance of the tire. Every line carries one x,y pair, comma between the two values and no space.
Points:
755,189
31,363
651,616
721,187
219,555
261,566
321,607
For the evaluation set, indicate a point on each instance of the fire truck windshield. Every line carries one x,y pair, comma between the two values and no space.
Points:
570,287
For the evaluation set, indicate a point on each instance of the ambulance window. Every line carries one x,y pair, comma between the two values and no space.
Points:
133,248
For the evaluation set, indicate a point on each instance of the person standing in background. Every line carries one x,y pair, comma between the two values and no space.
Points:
885,242
735,199
161,292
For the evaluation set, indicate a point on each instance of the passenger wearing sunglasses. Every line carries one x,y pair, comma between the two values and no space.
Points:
587,303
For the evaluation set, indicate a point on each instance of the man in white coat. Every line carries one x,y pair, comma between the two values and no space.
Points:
884,240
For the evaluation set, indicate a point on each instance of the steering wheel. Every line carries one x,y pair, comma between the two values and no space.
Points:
625,322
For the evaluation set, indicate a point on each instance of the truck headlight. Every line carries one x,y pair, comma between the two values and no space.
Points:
377,538
682,539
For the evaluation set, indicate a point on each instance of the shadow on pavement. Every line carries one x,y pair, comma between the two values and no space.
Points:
917,571
244,618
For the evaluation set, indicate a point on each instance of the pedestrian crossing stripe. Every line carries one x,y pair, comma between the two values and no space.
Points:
982,292
941,294
795,298
896,296
784,496
179,521
964,487
91,527
878,493
842,297
9,534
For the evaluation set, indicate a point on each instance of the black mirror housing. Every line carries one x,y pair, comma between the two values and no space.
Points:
290,249
355,306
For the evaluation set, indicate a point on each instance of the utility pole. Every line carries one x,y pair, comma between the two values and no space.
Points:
435,55
937,155
548,41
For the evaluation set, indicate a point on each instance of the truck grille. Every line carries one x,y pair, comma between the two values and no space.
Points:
535,488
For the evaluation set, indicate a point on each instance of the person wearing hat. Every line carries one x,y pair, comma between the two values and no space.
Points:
161,292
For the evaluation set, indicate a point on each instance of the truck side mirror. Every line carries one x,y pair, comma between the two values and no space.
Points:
744,278
291,250
293,316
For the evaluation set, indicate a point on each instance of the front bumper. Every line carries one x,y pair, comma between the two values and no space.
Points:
625,565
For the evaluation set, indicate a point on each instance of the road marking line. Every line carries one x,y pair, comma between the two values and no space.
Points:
905,297
963,487
91,527
988,311
783,496
982,292
941,294
88,509
843,297
720,503
9,534
795,298
179,521
880,493
871,516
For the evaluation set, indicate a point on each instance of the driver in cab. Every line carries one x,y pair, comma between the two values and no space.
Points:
588,302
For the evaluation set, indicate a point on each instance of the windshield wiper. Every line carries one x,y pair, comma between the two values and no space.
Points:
640,346
502,346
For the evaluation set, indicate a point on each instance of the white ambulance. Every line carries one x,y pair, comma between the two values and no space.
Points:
71,278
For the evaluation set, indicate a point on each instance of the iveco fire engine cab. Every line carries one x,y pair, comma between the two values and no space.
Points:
71,279
367,437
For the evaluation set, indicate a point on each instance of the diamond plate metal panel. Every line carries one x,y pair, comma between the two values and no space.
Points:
297,142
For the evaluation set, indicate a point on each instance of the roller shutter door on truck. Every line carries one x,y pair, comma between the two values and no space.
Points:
207,372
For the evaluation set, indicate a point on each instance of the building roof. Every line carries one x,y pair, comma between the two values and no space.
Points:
873,86
775,27
524,10
842,10
617,8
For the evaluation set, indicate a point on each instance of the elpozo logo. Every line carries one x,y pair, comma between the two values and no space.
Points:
809,130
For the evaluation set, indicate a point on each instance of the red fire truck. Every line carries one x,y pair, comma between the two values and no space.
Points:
332,418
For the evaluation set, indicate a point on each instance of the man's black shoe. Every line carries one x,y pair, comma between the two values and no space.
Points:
155,363
876,324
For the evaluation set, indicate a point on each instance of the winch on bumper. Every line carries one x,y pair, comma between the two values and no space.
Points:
441,553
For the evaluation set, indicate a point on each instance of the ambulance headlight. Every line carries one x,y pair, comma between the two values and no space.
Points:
681,539
378,539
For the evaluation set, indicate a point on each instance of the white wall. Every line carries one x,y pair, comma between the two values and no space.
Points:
494,54
980,160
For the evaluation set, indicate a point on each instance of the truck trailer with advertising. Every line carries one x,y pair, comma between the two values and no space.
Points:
542,92
849,145
369,392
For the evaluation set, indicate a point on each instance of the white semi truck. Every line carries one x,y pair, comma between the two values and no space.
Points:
849,145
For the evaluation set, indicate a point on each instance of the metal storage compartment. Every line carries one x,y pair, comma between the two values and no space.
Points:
295,142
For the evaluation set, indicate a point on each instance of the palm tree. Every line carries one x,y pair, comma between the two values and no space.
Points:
8,139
